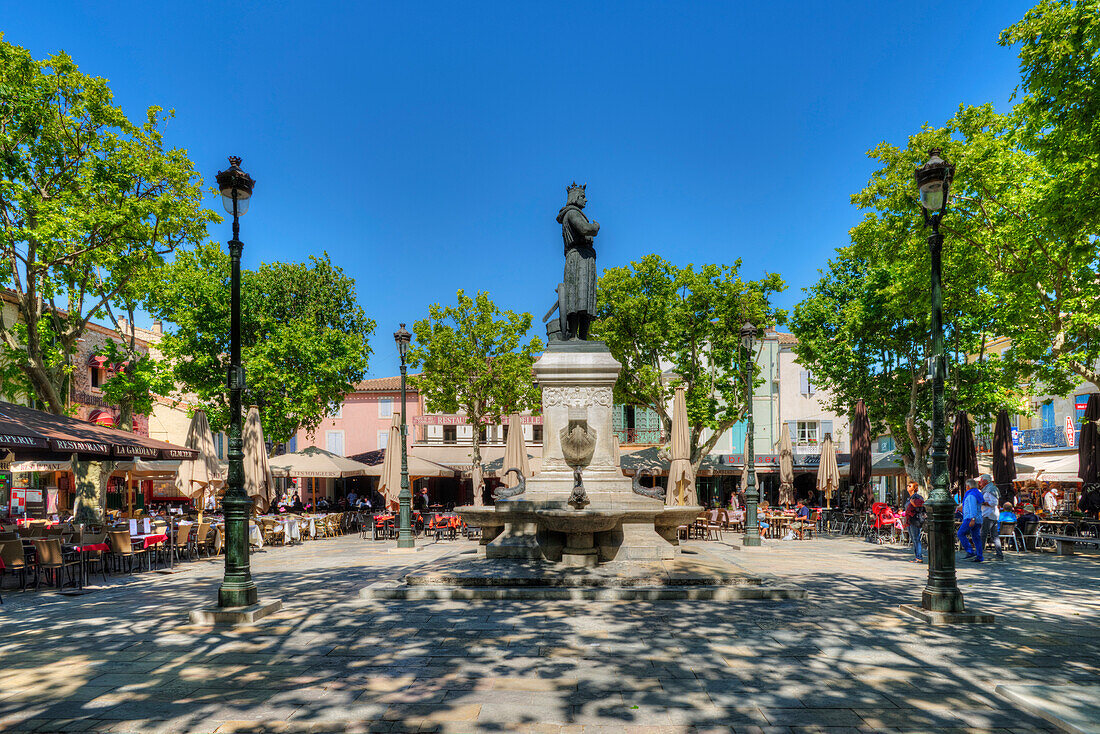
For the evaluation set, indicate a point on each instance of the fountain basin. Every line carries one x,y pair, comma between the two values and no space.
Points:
637,529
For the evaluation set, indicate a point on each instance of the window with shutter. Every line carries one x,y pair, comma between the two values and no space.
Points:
827,430
804,382
810,389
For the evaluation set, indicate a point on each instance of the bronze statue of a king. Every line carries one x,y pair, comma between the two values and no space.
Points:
577,292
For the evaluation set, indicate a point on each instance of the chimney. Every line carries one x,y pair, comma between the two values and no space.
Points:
158,327
123,325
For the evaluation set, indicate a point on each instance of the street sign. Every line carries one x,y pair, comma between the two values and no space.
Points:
1071,431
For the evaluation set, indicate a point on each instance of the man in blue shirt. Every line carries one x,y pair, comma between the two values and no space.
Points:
970,531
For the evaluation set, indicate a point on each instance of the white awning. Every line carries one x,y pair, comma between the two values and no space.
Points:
1060,467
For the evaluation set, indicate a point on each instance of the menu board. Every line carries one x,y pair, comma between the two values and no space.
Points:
5,492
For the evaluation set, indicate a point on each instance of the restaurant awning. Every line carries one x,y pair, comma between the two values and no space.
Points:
418,467
137,469
34,434
1059,467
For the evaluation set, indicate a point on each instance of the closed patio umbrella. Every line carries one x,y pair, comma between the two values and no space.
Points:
515,453
859,473
828,474
1004,457
390,483
962,454
1088,456
201,475
786,470
681,477
258,482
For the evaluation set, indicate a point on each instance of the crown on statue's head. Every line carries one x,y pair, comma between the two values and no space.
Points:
574,187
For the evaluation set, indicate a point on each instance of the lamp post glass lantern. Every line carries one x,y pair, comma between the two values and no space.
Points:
941,593
404,532
752,524
237,588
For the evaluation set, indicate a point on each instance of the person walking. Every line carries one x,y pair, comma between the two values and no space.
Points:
991,523
970,531
915,512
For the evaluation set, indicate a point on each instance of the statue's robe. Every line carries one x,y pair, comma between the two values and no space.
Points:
580,261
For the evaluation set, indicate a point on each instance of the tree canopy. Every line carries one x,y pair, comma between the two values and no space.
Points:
304,338
474,358
90,204
656,317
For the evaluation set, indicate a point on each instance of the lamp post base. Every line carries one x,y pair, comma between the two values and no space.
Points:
931,616
242,614
944,601
751,541
237,595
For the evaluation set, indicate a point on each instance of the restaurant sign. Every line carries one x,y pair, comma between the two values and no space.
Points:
180,454
460,420
31,442
84,447
145,452
772,460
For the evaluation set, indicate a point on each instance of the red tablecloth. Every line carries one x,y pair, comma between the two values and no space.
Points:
154,539
92,547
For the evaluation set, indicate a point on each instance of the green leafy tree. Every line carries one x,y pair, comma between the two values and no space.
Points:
657,317
472,358
90,204
304,338
1045,242
138,377
864,327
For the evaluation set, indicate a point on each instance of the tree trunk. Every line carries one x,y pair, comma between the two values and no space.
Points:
477,473
90,483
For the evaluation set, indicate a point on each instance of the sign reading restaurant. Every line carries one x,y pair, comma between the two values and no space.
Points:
460,420
89,447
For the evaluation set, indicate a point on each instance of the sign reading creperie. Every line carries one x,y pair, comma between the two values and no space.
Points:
460,420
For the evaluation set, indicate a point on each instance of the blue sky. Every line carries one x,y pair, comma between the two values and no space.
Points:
427,146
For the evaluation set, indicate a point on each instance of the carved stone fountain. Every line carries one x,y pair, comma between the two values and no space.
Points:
580,509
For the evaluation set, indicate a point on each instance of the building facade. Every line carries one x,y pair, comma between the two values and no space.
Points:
362,422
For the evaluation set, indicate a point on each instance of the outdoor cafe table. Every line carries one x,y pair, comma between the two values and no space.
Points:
255,537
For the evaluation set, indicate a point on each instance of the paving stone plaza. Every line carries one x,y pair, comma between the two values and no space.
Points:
125,659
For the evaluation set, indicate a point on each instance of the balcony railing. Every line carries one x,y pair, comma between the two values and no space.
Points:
1033,439
634,436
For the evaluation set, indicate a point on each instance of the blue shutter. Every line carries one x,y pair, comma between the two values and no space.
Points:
804,382
826,428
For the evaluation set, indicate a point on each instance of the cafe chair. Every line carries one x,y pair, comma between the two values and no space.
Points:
52,560
11,553
123,551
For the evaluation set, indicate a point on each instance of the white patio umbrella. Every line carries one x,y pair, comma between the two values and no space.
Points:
681,477
316,463
199,476
828,475
390,483
515,453
258,482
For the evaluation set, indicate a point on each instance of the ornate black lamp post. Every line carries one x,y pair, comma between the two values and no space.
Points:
237,589
752,525
404,531
941,594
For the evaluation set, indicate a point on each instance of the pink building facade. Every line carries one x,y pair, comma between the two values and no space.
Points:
363,420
